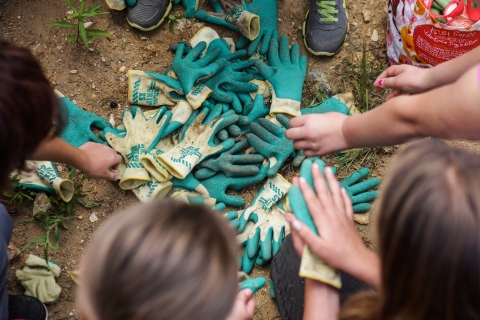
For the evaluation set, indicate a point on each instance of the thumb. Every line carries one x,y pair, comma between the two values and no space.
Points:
112,176
244,295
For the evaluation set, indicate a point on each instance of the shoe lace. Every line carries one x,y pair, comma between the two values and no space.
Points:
327,10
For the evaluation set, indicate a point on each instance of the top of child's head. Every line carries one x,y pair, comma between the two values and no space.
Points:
162,260
428,236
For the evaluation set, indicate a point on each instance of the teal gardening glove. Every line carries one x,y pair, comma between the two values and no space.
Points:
78,128
285,73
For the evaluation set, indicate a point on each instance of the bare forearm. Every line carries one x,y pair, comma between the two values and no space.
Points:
448,112
449,71
57,150
322,301
368,269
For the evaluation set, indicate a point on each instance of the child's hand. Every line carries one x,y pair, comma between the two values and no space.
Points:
404,79
318,134
338,243
98,159
244,306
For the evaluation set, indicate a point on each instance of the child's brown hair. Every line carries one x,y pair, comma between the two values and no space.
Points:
162,260
429,238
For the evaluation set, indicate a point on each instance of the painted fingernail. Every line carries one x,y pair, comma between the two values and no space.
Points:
315,166
344,190
329,170
380,83
302,180
296,225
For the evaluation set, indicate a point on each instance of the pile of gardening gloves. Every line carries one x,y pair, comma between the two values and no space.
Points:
214,121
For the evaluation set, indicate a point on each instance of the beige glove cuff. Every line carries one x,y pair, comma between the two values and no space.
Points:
287,107
152,190
156,170
180,160
206,34
198,95
263,88
247,23
313,267
63,187
116,4
133,177
147,91
35,261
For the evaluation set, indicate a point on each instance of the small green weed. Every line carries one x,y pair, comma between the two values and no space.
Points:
361,76
80,14
359,156
311,96
171,18
21,193
56,217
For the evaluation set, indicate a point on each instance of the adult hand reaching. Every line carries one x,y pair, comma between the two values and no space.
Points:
404,79
97,161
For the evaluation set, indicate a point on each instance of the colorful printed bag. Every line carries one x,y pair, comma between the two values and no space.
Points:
415,37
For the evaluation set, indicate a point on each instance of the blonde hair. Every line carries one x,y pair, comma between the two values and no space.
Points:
429,239
162,260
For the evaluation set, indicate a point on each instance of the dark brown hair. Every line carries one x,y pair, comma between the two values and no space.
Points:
28,108
429,239
162,260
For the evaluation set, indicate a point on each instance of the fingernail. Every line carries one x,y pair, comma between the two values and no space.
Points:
344,191
380,83
296,225
329,170
302,180
248,292
315,166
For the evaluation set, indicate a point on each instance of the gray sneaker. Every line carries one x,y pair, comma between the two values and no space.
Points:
147,15
325,27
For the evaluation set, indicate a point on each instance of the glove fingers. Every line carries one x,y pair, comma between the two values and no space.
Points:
233,201
303,64
241,42
259,144
100,123
213,113
94,138
245,97
234,131
364,197
236,55
299,207
265,70
241,171
240,65
252,243
361,207
272,172
271,127
284,51
266,246
253,46
265,42
236,104
211,56
242,85
273,58
180,50
295,54
204,173
222,135
247,263
240,146
248,159
284,121
221,96
364,186
195,52
354,177
166,80
276,244
299,157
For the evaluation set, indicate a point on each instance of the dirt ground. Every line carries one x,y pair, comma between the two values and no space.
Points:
91,78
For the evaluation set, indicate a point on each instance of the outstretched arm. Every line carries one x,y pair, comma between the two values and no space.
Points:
94,159
448,112
322,301
410,79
